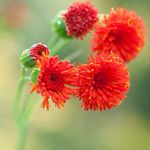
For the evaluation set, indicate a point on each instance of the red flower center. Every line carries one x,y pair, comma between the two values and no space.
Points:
123,34
53,80
38,50
99,80
39,53
104,76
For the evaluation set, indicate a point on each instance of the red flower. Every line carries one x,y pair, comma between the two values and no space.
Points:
80,19
54,81
38,50
103,82
122,31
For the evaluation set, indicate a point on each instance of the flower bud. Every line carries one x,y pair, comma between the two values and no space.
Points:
59,26
30,56
26,60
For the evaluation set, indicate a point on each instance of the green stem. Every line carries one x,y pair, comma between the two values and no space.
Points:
18,94
22,134
74,55
22,122
54,38
28,107
59,46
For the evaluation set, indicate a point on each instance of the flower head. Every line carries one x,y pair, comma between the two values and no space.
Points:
54,81
80,18
102,83
122,32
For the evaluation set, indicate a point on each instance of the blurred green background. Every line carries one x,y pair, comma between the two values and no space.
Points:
23,23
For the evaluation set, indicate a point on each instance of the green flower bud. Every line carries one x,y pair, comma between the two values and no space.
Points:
26,60
59,26
34,75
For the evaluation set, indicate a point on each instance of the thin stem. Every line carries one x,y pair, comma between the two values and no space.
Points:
22,134
54,38
26,103
23,124
29,107
74,55
18,94
59,45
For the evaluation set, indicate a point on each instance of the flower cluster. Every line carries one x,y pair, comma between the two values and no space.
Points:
102,82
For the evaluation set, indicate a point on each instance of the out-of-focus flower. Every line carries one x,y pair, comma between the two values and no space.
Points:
103,82
122,31
54,81
80,19
30,56
16,13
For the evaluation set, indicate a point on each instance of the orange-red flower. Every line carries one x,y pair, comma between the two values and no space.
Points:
54,81
103,82
80,19
38,50
122,31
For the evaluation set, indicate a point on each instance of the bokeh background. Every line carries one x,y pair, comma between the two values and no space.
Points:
127,127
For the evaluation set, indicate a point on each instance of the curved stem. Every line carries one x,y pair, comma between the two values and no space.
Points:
59,45
18,94
28,107
22,123
52,40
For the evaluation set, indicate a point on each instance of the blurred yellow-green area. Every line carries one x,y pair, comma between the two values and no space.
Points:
127,127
